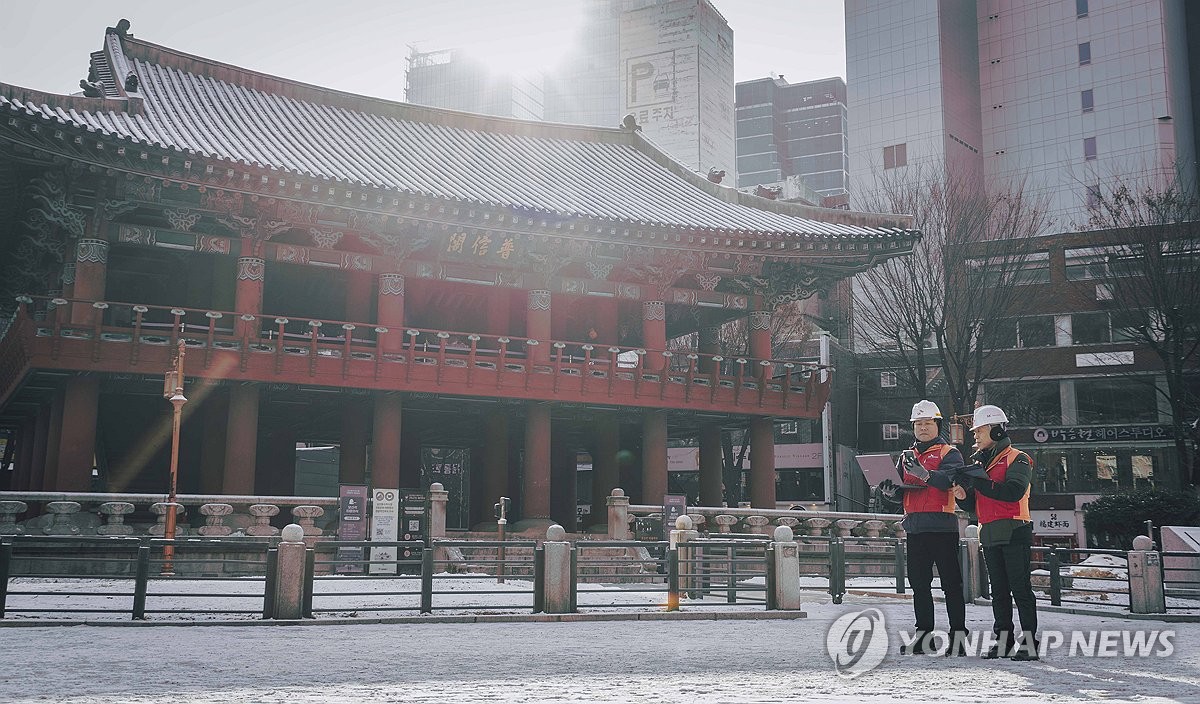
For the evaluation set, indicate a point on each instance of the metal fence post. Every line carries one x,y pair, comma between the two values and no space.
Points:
539,579
1055,578
901,565
140,582
427,580
731,580
771,576
272,578
672,579
6,551
310,574
574,579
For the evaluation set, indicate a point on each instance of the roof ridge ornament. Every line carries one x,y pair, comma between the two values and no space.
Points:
715,175
629,124
121,30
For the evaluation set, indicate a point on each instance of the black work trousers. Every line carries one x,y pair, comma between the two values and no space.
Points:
1008,570
926,550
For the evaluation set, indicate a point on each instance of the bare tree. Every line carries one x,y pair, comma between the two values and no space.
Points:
1152,271
937,310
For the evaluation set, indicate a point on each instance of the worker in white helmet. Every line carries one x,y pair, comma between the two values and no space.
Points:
930,467
1001,501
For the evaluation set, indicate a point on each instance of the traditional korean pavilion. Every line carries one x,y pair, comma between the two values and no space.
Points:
391,279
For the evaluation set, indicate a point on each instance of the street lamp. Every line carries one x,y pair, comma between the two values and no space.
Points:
173,392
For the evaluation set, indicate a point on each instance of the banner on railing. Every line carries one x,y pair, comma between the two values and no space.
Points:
352,525
385,516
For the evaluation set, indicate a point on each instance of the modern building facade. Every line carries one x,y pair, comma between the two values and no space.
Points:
442,296
1064,95
669,63
457,80
787,130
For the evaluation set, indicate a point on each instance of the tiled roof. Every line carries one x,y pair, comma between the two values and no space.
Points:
200,107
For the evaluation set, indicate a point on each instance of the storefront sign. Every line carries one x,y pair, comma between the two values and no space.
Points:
1054,522
1102,433
385,516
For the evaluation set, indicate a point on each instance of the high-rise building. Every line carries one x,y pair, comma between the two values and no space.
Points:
1065,94
669,63
789,130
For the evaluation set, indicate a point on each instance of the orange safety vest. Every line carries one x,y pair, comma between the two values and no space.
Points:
929,499
993,510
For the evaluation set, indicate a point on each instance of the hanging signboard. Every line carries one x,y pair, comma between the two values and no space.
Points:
352,526
385,515
674,506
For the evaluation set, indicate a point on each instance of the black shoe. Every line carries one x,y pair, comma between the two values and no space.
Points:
1024,653
996,652
917,647
957,647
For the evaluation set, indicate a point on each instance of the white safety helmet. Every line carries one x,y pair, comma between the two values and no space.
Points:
988,415
926,410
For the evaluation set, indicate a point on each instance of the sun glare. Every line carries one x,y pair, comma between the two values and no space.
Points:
515,37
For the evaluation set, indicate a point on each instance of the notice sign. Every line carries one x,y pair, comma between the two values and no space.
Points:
674,506
352,526
1053,522
385,516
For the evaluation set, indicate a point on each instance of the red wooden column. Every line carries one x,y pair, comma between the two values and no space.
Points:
77,436
654,333
537,327
654,455
352,451
762,430
605,465
241,440
535,494
45,476
710,344
495,459
67,290
385,442
91,270
390,314
711,481
248,295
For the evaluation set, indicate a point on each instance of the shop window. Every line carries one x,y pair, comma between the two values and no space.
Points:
1106,468
1143,468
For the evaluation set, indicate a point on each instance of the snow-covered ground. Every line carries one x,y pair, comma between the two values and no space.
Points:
709,660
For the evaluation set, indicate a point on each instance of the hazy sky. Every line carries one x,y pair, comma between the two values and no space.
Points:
360,45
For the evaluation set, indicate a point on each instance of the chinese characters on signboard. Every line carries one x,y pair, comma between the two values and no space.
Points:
481,246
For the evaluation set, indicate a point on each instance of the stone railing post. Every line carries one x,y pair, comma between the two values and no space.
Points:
114,518
874,529
262,520
9,510
758,524
439,498
789,522
725,523
845,525
618,515
698,521
556,552
971,574
679,539
289,574
60,513
306,517
817,526
159,529
1145,578
787,569
214,519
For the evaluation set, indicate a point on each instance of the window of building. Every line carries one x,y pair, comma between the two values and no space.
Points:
1089,148
1081,8
1101,262
1087,100
1085,53
895,156
790,427
1036,331
891,431
1028,402
1090,328
887,380
1126,325
1113,400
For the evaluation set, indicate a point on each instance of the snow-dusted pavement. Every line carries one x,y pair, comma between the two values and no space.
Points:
621,661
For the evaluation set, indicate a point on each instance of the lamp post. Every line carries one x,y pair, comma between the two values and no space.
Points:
173,392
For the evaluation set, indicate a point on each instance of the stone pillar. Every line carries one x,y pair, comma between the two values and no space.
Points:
1145,578
289,575
438,499
537,326
390,313
654,455
385,442
9,510
971,572
605,465
495,459
711,465
787,570
359,286
618,515
241,440
352,450
557,572
710,344
248,295
535,496
91,267
654,334
762,463
77,435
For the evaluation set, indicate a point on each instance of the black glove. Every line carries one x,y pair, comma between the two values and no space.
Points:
888,489
913,467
